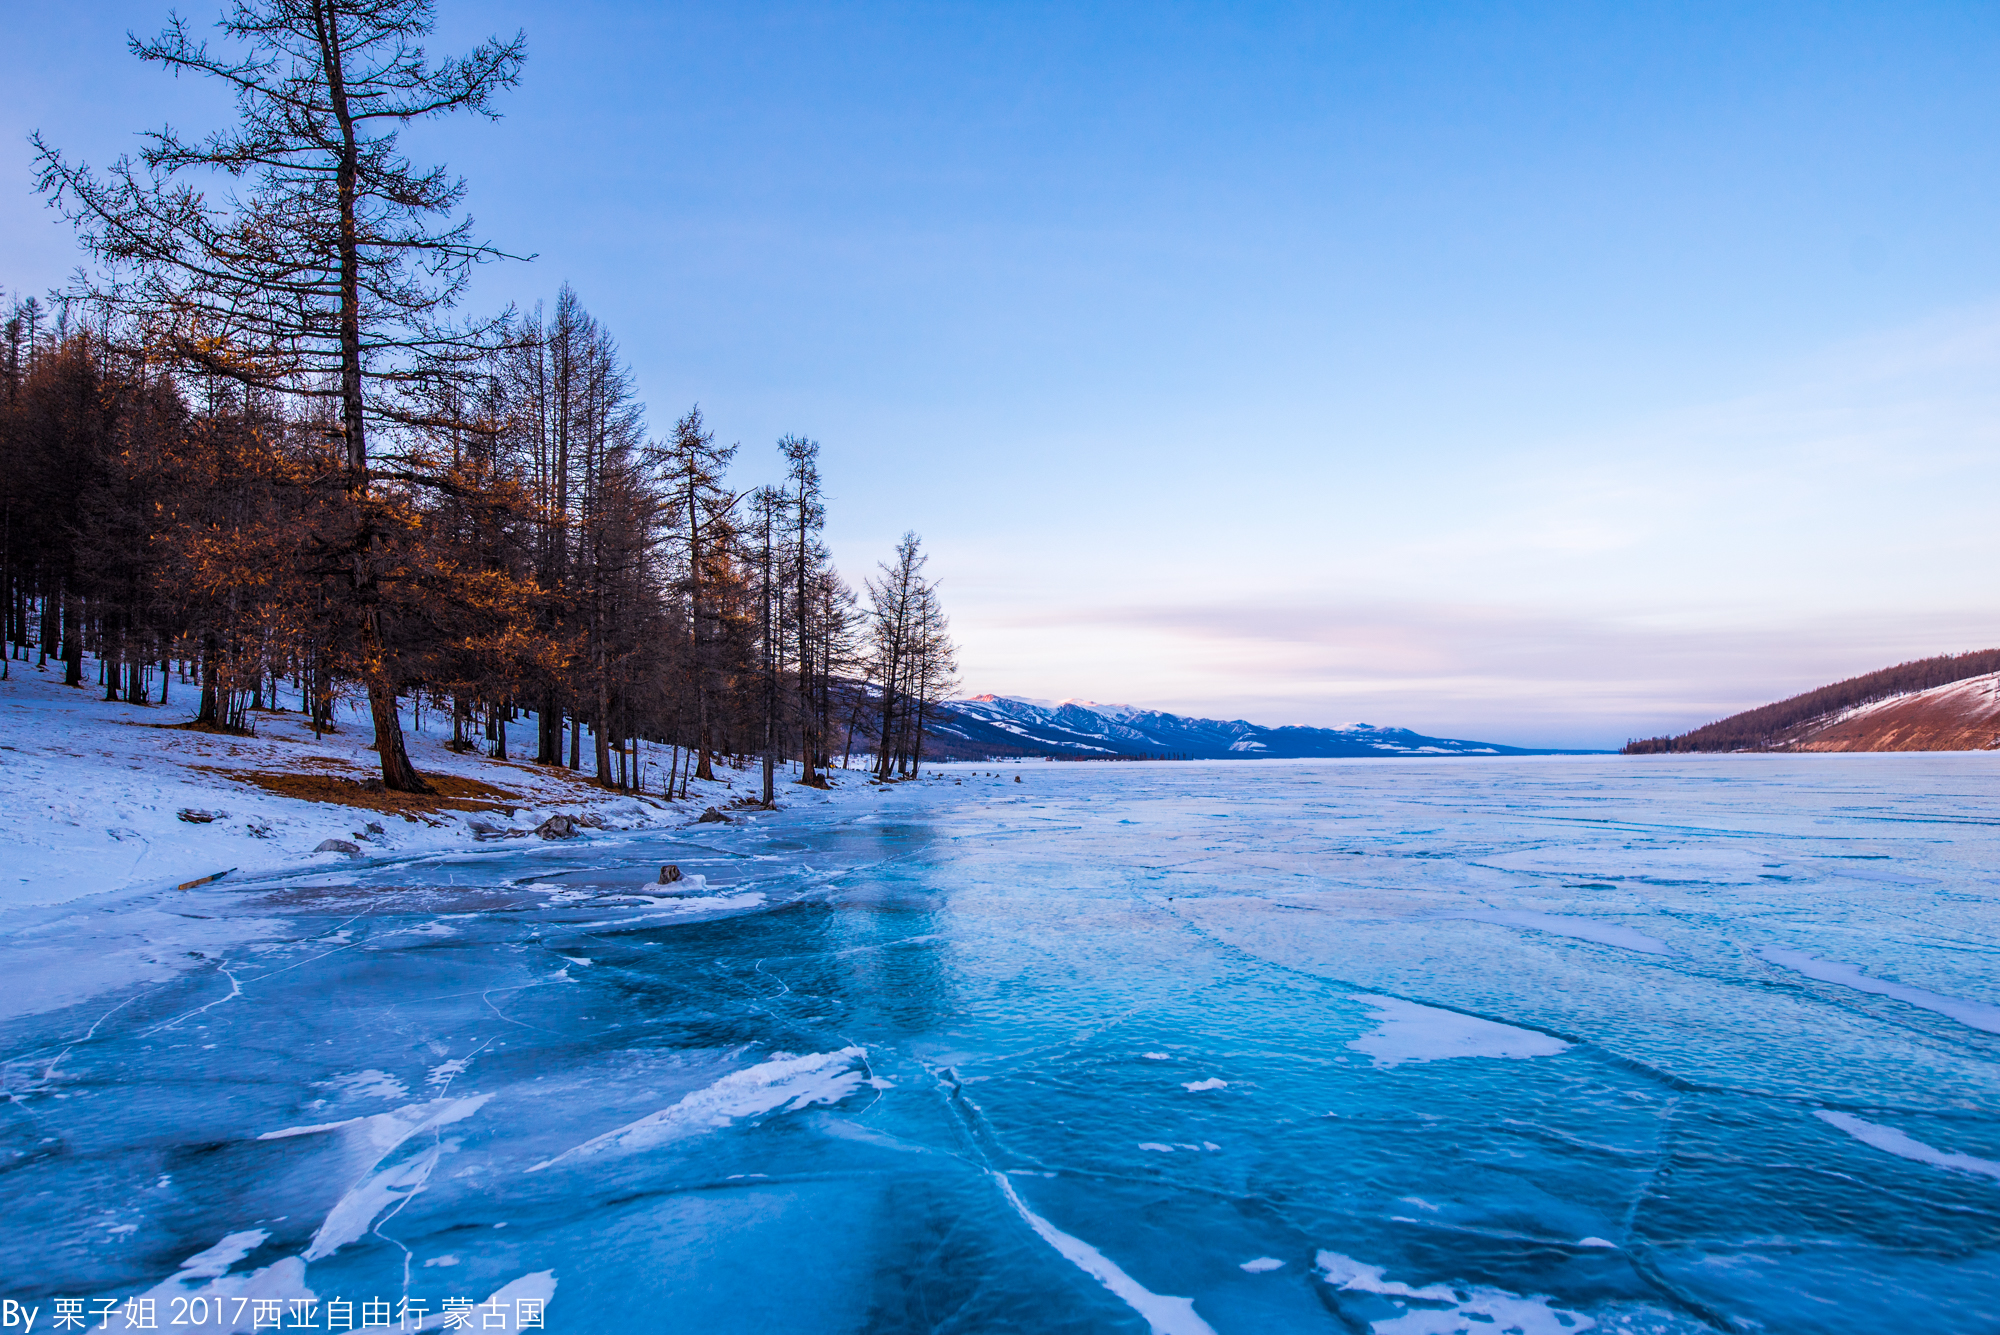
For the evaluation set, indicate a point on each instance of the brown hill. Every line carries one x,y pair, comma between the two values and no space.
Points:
1950,703
1964,716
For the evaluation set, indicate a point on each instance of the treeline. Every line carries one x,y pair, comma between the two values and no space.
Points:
259,450
567,569
1774,724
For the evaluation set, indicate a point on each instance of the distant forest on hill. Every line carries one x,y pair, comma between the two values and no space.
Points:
1768,725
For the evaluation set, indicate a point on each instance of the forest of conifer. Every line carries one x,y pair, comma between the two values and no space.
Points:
258,460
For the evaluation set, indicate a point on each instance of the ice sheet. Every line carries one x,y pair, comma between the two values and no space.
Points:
1078,951
1583,929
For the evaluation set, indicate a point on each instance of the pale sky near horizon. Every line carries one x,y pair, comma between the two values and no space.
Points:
1538,373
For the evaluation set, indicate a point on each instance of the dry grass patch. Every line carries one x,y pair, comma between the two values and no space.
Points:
450,792
191,726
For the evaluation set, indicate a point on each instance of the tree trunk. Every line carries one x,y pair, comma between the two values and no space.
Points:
602,735
209,712
548,731
398,775
72,641
704,768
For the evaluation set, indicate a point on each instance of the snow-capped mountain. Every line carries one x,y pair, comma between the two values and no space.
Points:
1086,728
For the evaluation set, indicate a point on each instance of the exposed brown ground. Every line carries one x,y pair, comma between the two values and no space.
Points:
1964,716
340,785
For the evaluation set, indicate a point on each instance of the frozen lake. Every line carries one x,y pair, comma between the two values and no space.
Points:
1402,1047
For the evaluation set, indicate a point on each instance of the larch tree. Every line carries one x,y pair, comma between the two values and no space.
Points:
806,516
769,506
698,505
893,598
331,273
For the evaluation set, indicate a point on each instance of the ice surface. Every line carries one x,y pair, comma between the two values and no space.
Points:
1407,1032
780,1102
1584,929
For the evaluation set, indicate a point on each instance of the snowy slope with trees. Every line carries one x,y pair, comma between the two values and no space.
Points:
99,797
263,449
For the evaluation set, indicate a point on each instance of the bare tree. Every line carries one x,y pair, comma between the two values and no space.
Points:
807,516
768,504
691,469
933,667
913,658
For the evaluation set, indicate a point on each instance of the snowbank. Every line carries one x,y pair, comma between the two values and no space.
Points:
98,797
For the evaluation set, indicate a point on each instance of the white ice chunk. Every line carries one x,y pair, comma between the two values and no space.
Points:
1263,1264
445,1072
283,1278
373,1139
1973,1014
1889,1140
370,1084
1469,1308
217,1259
1166,1315
354,1213
1407,1032
1197,1086
385,1131
790,1083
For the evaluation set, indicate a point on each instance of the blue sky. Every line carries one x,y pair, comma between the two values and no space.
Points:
1541,373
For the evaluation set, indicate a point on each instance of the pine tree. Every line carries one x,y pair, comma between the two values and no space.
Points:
330,277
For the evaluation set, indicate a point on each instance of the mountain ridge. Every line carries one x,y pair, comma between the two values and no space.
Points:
1089,729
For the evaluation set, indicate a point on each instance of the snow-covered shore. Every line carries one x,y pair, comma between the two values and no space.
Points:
92,791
